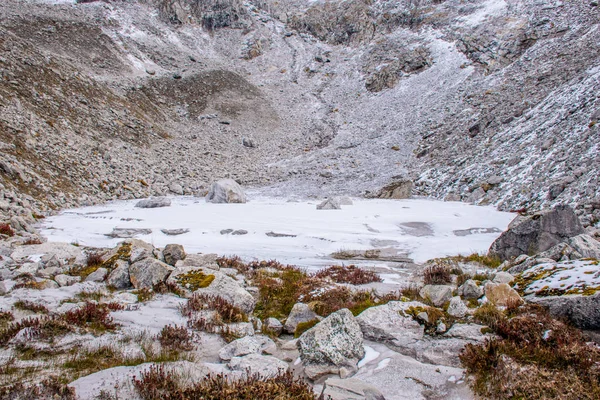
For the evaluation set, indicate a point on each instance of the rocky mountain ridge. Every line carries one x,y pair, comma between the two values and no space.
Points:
492,102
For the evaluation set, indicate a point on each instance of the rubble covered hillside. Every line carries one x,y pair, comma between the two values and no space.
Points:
326,117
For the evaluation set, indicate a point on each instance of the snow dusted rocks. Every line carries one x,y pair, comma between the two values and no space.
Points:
537,233
155,202
331,203
586,246
334,345
226,191
146,273
300,313
385,324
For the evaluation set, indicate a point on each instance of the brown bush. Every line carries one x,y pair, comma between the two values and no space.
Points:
92,316
51,388
348,274
437,274
157,383
227,312
536,356
5,229
175,338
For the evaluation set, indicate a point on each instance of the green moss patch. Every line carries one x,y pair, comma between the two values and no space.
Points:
195,280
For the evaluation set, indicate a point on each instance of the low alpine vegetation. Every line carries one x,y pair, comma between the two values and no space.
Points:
159,383
175,338
535,357
27,305
437,274
348,274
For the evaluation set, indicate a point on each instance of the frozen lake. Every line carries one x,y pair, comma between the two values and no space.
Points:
418,228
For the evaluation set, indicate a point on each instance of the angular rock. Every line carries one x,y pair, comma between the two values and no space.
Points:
438,294
350,389
97,276
154,202
49,272
200,260
332,346
119,277
139,250
264,366
586,246
501,294
503,277
300,313
457,308
173,253
534,234
329,204
244,346
226,191
229,289
470,290
66,280
397,190
273,326
148,272
385,324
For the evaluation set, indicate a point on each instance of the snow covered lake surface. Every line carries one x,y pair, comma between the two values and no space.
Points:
418,228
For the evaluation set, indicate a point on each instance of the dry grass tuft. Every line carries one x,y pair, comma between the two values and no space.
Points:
30,306
51,388
175,338
437,274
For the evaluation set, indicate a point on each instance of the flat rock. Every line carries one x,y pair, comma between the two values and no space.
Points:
244,346
154,202
175,232
350,389
264,366
385,324
127,233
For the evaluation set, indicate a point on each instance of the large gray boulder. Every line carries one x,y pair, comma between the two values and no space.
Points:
534,234
226,191
334,345
300,313
581,311
148,272
154,202
386,324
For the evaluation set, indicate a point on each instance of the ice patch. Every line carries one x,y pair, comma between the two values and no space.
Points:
370,355
319,233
